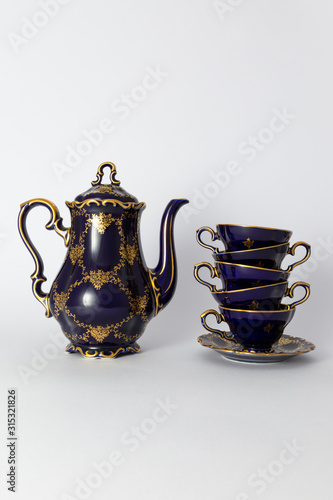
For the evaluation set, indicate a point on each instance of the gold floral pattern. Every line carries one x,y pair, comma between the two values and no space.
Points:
268,328
60,300
254,305
99,278
102,221
75,337
76,252
248,243
104,188
99,332
139,304
286,346
286,340
108,188
130,253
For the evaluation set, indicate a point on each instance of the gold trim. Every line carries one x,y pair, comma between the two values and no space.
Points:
213,236
252,249
255,227
219,319
98,203
156,290
172,251
287,308
289,353
55,223
291,251
254,288
213,274
252,267
290,292
71,348
100,173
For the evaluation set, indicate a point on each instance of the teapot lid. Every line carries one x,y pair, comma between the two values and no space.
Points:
108,193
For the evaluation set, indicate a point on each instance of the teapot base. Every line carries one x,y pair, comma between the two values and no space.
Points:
103,352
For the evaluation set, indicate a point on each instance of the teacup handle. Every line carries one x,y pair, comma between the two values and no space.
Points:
213,274
292,250
214,237
219,318
290,292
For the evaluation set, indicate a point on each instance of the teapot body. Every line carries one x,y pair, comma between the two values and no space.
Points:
102,296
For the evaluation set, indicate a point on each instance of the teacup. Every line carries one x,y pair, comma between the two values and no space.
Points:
254,330
268,257
236,237
263,298
239,276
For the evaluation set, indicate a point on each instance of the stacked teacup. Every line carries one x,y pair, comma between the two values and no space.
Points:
253,283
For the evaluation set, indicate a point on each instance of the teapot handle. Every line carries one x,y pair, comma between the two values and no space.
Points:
55,223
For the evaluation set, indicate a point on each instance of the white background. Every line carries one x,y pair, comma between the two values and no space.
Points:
224,75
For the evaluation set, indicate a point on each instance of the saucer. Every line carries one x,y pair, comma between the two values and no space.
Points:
287,347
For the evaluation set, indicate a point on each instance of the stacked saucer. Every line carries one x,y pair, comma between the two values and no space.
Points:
254,285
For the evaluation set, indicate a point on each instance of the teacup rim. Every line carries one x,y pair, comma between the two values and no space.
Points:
251,288
257,227
252,267
288,308
250,249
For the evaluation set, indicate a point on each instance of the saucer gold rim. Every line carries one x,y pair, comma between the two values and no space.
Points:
311,347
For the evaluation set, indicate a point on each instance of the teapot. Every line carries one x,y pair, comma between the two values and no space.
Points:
104,294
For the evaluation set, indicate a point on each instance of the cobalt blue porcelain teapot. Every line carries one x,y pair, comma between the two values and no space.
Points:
104,294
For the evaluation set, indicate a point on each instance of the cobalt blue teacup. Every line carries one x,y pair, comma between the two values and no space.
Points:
263,298
236,237
268,257
239,276
254,330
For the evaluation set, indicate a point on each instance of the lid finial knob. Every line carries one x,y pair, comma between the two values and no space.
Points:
100,172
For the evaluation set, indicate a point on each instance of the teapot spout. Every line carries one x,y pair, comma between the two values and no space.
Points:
163,277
